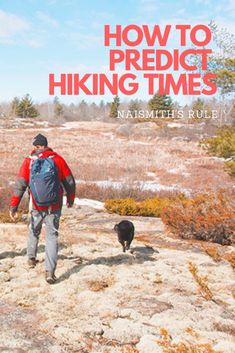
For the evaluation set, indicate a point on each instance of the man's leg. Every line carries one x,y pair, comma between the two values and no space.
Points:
52,221
35,227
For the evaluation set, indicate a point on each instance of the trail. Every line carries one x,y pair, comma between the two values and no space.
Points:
109,301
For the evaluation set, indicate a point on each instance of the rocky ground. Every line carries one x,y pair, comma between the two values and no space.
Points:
146,300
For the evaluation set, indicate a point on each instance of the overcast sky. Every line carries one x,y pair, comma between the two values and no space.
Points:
39,37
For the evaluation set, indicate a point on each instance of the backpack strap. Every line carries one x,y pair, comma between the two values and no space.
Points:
32,159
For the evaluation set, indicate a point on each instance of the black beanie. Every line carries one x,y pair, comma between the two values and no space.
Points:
40,140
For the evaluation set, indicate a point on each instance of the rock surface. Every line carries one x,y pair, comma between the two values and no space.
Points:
109,301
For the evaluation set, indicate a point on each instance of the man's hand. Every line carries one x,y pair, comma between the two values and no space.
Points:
69,204
13,215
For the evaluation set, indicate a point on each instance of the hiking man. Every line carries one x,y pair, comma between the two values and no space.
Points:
46,174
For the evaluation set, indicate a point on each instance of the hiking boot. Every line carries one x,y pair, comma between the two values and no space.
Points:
50,277
32,262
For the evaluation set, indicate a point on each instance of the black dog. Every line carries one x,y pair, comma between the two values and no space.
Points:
125,231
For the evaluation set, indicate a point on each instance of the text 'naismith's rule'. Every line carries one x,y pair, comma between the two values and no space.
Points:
147,52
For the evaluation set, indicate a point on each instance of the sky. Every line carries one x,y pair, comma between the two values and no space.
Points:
38,37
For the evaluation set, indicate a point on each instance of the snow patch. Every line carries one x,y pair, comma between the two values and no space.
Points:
108,134
87,202
140,143
151,174
174,125
143,185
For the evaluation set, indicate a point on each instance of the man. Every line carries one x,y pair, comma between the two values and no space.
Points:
46,174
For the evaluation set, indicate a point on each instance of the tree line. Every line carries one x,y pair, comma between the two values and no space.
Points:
59,112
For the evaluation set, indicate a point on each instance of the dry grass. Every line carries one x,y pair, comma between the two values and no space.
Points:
213,252
94,156
95,192
158,279
227,328
103,341
202,282
99,285
231,259
183,347
191,332
5,217
218,256
5,196
129,349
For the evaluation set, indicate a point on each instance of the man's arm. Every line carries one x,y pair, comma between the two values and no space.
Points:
21,184
68,183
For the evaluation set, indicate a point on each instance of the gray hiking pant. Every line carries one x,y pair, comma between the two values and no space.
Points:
51,221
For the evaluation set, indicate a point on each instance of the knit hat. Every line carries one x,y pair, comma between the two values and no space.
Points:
40,140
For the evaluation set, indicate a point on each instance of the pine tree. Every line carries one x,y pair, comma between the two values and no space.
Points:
222,62
93,108
14,106
225,75
58,107
198,107
26,109
101,105
114,107
160,102
102,108
83,110
134,107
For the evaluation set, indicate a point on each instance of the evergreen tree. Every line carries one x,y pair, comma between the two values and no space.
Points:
58,107
102,108
160,102
93,110
101,105
114,107
222,62
134,107
198,107
225,74
83,109
14,106
26,108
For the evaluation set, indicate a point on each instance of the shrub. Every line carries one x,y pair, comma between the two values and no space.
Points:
230,167
223,145
153,207
206,217
123,207
130,207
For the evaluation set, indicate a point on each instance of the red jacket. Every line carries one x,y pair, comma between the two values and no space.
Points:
65,176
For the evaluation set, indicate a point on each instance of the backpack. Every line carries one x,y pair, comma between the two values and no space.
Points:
44,181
